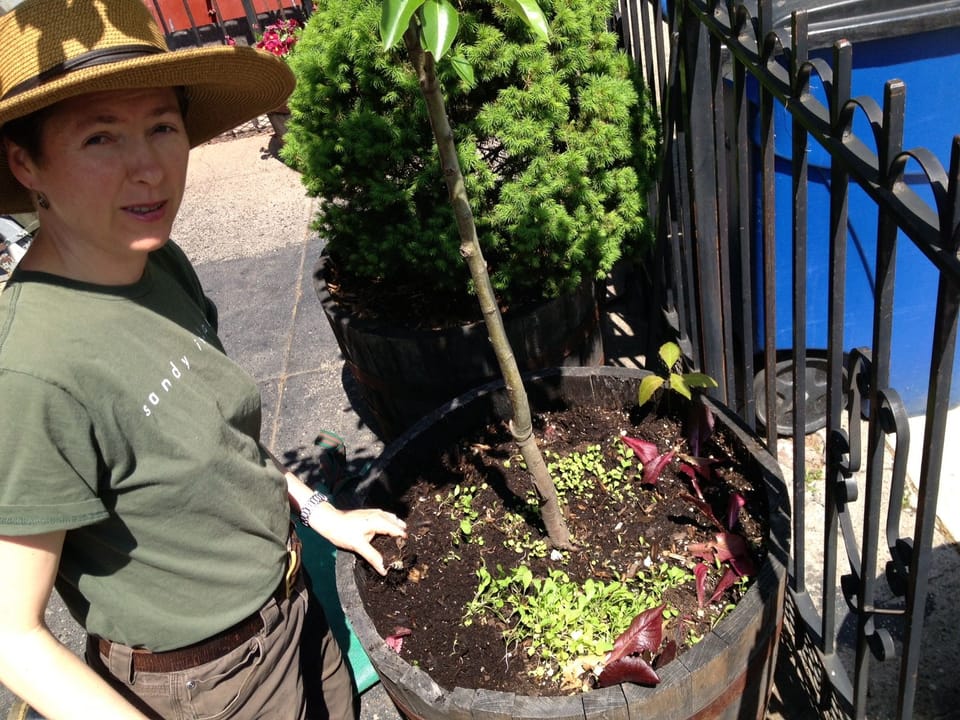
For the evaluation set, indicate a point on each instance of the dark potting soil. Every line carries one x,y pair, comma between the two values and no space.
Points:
434,574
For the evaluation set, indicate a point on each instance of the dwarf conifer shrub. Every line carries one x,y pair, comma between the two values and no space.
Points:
556,144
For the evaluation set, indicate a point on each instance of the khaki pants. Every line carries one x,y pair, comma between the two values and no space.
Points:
291,670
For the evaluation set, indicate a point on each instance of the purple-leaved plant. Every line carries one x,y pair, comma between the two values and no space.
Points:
626,662
637,651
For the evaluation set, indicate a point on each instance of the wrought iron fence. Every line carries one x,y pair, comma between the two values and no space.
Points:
727,78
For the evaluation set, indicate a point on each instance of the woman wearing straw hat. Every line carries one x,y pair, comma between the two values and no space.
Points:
135,481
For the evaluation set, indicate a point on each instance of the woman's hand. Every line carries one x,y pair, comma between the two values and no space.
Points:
353,530
347,529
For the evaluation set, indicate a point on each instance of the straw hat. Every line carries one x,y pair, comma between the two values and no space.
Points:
51,50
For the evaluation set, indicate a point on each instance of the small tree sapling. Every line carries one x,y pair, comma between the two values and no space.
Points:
428,29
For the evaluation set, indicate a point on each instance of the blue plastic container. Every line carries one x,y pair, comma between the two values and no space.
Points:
916,43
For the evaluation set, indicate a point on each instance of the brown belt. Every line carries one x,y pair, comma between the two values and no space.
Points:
223,642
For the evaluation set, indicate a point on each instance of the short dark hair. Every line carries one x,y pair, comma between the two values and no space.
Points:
25,131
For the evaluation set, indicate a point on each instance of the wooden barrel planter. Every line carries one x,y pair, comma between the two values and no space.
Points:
727,675
404,374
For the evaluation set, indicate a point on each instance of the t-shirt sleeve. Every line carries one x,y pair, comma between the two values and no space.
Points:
50,468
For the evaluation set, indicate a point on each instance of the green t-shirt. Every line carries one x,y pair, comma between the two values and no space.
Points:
124,423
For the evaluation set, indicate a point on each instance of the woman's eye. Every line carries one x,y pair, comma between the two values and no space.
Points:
165,128
96,140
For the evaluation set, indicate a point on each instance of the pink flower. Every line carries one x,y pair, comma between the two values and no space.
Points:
280,37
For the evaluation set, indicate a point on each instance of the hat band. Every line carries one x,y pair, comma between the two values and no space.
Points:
85,60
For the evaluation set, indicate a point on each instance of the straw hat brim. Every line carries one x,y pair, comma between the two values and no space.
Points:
225,87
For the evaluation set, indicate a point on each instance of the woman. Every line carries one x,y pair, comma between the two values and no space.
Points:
132,476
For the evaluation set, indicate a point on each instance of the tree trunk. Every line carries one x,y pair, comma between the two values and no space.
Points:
520,426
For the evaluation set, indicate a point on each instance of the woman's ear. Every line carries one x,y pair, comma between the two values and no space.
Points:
21,164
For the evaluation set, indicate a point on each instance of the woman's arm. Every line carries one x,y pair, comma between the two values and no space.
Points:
347,529
33,663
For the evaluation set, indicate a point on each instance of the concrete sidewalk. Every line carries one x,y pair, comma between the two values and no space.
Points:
245,224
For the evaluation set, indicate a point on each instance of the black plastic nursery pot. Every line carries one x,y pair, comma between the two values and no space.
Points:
728,674
404,374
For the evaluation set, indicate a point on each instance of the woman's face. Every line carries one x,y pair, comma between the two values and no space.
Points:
113,167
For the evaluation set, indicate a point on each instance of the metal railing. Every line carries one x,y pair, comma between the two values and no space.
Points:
722,76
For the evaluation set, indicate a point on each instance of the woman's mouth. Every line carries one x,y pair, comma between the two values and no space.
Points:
150,212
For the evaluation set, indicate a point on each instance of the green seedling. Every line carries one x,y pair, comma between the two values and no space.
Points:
580,473
675,380
460,501
558,620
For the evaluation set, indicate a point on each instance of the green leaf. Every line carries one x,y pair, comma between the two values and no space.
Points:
670,354
698,380
648,386
679,384
529,11
395,19
463,69
441,21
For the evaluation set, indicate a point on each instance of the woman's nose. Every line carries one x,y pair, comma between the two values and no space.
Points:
146,163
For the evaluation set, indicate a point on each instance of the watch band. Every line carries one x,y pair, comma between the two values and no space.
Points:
311,503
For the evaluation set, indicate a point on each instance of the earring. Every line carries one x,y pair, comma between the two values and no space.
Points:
42,201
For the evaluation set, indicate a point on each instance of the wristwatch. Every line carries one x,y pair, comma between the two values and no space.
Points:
311,503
